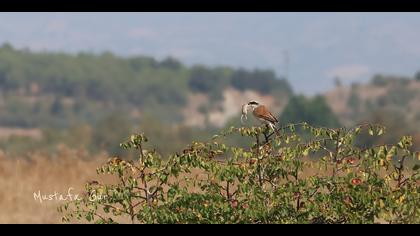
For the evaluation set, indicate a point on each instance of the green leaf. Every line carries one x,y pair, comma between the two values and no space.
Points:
89,217
305,152
416,167
370,131
106,209
292,128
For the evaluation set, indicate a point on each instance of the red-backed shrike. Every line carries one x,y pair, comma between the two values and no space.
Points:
261,113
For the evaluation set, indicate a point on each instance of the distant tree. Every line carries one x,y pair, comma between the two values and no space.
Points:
3,80
383,80
209,81
314,111
417,76
171,63
109,131
379,80
354,101
7,46
257,80
201,79
400,96
321,113
242,80
263,81
37,108
57,107
139,63
337,82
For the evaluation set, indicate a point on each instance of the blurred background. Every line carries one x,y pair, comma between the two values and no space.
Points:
75,85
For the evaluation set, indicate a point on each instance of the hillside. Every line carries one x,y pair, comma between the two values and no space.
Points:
51,98
382,95
57,89
78,98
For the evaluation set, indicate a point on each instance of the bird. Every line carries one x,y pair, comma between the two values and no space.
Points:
261,113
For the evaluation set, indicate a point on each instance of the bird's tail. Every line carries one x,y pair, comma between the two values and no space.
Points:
273,127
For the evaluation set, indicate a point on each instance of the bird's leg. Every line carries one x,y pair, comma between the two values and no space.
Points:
257,136
267,130
273,127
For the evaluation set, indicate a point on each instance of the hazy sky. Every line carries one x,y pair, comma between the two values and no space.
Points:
321,46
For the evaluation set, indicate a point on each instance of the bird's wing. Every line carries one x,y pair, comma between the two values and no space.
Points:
274,118
263,113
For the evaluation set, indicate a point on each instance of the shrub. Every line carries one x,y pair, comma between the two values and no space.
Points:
322,178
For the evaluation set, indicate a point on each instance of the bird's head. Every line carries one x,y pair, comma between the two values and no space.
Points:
253,103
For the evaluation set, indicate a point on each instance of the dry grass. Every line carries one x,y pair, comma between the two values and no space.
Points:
20,178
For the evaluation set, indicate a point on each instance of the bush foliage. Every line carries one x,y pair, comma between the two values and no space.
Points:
306,175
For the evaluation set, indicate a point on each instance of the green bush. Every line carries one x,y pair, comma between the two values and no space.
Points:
322,178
